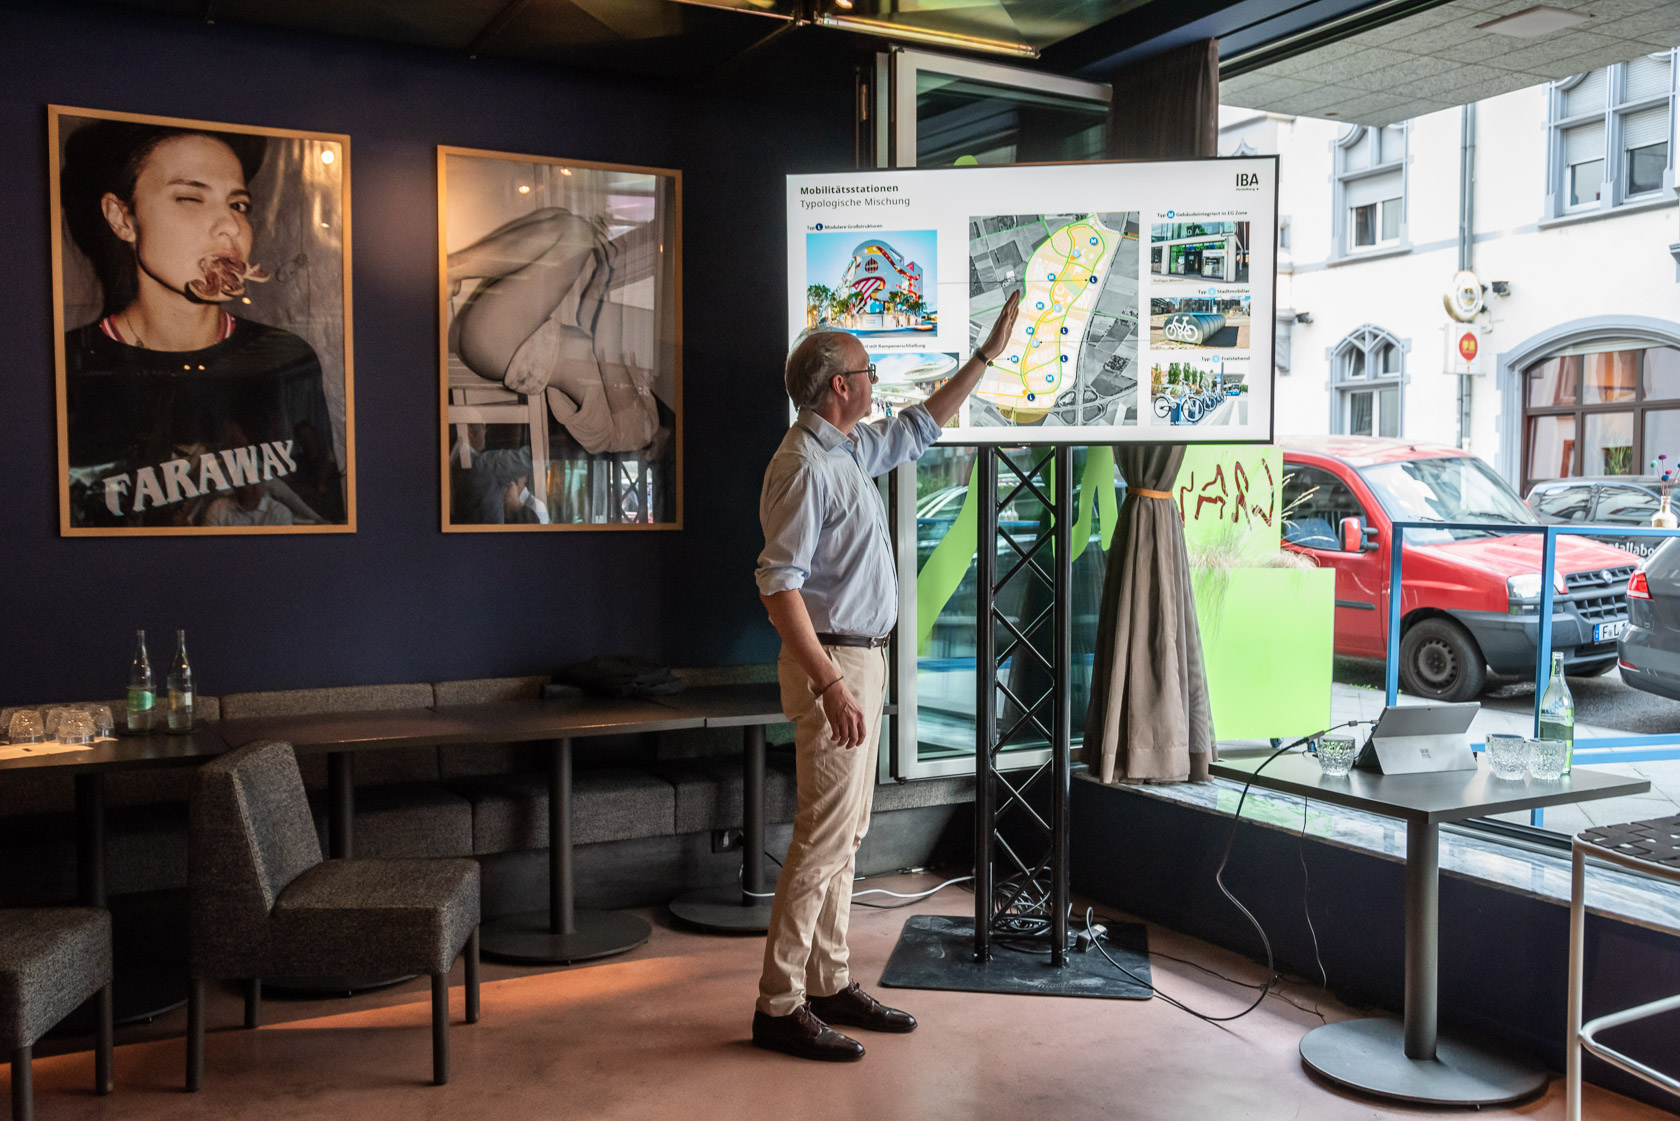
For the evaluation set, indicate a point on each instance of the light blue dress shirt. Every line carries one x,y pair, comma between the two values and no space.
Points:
825,526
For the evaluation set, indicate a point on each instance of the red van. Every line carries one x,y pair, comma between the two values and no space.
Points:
1469,599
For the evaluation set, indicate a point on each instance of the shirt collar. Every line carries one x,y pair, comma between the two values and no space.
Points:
826,434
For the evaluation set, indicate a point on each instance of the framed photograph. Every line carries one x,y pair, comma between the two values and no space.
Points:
560,324
201,319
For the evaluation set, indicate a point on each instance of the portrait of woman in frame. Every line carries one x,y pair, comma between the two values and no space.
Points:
202,320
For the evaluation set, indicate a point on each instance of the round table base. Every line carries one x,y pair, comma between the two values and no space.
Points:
596,934
721,909
316,988
1369,1057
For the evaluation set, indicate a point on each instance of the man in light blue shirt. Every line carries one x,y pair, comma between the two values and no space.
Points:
826,577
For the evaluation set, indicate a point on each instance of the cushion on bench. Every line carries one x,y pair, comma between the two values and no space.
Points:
510,812
303,702
409,819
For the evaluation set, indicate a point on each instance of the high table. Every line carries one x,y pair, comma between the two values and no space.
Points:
744,909
1411,1061
563,933
138,994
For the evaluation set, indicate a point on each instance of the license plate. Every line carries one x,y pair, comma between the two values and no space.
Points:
1604,632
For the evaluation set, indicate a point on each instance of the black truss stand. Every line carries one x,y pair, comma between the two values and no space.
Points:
1018,939
562,933
744,909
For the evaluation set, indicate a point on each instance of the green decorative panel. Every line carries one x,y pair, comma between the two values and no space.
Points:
1266,637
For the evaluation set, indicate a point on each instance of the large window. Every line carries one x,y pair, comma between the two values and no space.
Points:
1369,371
1612,133
1370,203
1604,412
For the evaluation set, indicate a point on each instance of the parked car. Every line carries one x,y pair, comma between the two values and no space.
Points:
1607,500
1648,654
1469,599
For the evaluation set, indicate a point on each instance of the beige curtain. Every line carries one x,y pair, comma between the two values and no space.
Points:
1148,719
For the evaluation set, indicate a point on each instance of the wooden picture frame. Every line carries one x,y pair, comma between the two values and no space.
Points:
231,250
559,343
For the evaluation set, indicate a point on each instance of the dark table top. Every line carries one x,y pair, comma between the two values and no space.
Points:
570,717
1428,798
157,749
492,722
728,706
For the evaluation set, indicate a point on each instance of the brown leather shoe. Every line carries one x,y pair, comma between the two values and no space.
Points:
855,1008
803,1035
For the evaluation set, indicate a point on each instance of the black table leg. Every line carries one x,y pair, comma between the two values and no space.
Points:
562,933
142,988
1410,1060
746,909
341,808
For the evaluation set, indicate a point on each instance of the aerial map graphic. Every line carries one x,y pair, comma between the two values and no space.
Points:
1070,358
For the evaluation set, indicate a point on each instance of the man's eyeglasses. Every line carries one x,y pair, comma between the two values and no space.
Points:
869,369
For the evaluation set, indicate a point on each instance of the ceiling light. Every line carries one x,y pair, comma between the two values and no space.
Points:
846,4
888,29
1530,23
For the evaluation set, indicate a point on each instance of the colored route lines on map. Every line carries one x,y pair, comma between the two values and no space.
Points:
1060,285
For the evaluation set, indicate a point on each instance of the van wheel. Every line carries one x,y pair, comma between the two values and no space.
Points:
1439,660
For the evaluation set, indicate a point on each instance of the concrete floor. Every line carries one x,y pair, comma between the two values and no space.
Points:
663,1032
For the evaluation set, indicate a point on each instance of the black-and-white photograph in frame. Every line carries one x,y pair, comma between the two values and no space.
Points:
561,343
201,303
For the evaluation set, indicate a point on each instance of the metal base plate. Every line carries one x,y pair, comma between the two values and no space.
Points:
721,909
316,988
937,952
596,934
1369,1056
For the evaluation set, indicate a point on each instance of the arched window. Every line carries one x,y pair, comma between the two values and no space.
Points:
1603,407
1370,202
1368,369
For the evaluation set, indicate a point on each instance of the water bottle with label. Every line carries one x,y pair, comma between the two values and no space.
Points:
1557,712
142,689
180,686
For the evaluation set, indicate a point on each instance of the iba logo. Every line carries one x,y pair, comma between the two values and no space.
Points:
1248,181
1467,346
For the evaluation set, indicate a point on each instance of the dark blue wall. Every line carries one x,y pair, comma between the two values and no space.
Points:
398,600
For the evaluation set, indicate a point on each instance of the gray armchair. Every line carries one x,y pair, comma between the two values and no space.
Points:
52,959
263,903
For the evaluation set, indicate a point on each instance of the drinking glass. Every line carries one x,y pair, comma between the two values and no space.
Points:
1507,756
102,722
25,727
1335,756
1545,759
51,718
74,726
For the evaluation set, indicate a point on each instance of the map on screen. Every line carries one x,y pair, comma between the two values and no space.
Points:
1146,293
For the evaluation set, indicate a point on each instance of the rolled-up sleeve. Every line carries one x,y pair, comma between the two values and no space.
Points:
888,443
790,510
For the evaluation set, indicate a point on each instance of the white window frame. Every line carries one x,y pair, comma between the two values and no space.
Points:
895,123
1367,342
1617,107
1344,249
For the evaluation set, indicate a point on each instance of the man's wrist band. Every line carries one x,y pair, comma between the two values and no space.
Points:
831,685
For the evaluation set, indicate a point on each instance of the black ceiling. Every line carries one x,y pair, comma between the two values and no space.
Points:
696,40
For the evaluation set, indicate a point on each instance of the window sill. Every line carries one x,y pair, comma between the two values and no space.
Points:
1532,870
1611,212
1369,255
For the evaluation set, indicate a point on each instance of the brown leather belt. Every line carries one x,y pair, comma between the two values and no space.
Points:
860,640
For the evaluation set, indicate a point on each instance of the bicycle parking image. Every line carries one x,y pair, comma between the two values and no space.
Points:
1184,394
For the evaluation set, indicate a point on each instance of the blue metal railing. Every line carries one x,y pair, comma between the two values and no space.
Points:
1597,749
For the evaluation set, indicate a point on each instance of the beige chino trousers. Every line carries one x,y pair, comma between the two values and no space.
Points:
805,953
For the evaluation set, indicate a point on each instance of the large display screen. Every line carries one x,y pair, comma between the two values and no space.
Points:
1147,292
